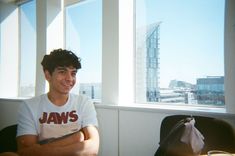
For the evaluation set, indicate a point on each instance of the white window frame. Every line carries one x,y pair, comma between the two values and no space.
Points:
112,85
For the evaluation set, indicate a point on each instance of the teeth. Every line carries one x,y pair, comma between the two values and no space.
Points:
66,85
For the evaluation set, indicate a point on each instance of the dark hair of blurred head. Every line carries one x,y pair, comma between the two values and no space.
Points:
60,58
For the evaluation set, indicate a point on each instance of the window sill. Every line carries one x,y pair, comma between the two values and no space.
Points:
161,107
169,109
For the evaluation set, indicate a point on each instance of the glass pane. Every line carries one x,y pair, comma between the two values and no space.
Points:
180,51
84,36
27,49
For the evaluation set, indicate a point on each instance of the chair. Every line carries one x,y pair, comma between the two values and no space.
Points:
217,133
8,139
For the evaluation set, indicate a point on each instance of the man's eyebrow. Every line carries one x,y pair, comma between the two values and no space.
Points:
61,68
66,68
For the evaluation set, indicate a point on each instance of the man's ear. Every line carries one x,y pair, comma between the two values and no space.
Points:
47,75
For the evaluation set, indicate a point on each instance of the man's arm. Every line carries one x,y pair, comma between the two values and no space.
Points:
65,140
90,146
9,154
68,146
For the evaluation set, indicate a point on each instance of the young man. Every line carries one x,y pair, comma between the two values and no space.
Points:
58,123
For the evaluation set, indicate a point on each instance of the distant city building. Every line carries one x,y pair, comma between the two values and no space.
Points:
182,90
210,90
147,64
180,84
92,90
170,96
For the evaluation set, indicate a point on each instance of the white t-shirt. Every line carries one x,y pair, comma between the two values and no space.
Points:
38,116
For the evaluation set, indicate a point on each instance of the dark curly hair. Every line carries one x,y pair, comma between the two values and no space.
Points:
60,58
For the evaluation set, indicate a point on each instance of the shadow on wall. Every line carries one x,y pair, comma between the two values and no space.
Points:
9,110
6,9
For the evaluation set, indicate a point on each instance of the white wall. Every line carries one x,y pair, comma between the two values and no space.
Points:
138,128
8,112
108,128
229,55
110,57
139,132
124,130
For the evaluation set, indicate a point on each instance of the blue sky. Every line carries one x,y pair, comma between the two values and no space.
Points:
191,37
28,44
84,36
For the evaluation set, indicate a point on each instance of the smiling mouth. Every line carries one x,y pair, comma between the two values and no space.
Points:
67,86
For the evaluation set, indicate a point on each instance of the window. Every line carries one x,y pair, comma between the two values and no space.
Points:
9,44
117,47
84,36
27,49
18,49
18,39
180,48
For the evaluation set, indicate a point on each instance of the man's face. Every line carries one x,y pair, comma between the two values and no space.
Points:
62,79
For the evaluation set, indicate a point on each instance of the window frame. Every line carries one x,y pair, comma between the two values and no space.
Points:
117,92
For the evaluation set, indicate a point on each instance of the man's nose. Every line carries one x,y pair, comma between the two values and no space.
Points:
69,76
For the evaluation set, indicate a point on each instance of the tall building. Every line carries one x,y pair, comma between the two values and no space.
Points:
93,90
147,64
210,90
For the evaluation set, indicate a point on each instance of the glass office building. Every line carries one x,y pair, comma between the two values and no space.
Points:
147,64
210,90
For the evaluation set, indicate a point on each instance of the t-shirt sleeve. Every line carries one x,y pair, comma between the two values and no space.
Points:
26,123
89,115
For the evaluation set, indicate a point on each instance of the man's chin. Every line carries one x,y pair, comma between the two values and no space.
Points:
65,91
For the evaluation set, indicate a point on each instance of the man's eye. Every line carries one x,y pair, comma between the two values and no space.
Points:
74,74
62,72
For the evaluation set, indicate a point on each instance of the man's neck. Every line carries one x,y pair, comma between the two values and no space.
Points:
58,99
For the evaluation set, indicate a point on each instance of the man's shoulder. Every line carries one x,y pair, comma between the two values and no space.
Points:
34,100
78,97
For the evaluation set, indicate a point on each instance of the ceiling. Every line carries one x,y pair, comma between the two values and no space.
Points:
67,2
17,2
7,1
